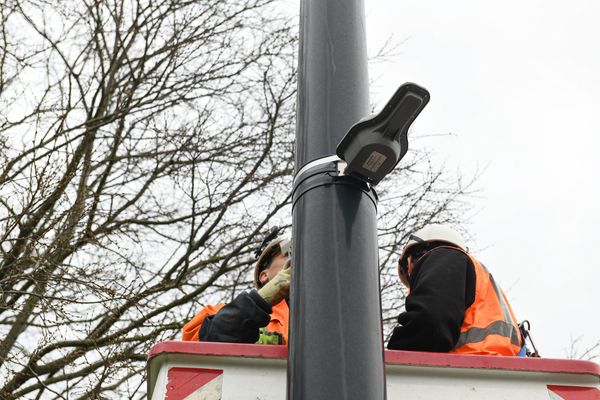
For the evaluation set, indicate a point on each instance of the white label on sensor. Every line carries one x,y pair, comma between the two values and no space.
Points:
374,161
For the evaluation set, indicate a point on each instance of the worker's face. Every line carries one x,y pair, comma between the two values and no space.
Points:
273,269
411,265
403,274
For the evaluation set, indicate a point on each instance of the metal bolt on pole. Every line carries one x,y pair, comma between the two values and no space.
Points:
336,344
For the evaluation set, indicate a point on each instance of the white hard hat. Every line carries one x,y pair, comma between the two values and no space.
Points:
434,233
281,244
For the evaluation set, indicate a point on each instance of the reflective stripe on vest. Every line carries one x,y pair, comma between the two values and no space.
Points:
475,335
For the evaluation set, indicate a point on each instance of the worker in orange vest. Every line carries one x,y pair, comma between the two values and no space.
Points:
454,304
258,316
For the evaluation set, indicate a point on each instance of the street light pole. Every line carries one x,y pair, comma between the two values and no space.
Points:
336,345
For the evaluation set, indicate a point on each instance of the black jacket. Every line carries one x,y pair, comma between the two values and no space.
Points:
442,287
238,321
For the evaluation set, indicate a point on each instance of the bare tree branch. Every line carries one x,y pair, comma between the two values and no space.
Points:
145,147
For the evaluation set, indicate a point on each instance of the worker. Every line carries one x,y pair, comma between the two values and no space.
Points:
258,316
454,304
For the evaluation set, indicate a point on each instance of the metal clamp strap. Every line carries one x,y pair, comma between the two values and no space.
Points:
341,166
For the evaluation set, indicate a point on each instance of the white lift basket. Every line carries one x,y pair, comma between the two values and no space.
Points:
210,371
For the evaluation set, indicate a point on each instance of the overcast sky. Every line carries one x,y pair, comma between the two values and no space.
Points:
517,84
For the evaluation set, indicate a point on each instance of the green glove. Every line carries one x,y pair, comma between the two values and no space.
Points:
279,287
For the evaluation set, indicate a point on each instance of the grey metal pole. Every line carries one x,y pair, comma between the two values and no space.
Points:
336,345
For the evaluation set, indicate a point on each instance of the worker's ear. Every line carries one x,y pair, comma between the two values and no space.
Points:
263,277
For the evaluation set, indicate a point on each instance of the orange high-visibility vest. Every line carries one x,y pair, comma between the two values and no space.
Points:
489,326
274,333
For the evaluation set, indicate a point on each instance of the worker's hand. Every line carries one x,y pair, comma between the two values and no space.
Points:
279,287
